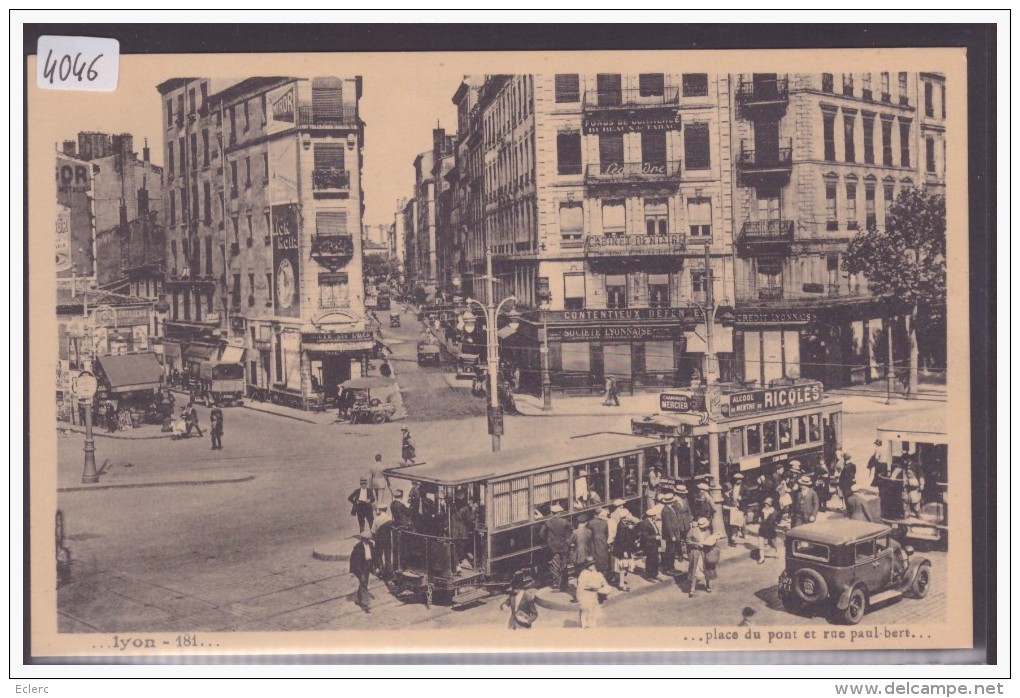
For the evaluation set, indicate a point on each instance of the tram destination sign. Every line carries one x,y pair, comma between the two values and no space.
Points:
773,398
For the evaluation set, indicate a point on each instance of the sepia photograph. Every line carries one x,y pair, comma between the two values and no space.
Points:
478,352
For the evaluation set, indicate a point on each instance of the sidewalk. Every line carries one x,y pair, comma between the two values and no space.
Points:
124,475
648,403
145,431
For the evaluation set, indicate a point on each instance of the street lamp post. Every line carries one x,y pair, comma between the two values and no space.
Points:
490,313
85,389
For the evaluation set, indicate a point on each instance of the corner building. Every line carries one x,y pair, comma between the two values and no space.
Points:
263,209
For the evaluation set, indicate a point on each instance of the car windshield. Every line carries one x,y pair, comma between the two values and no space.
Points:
811,550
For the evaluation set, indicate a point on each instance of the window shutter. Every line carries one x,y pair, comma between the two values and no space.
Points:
329,155
327,100
331,222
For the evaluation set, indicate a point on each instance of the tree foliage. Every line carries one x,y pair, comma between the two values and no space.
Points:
379,266
906,262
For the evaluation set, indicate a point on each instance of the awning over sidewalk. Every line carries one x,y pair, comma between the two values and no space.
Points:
200,352
232,355
129,372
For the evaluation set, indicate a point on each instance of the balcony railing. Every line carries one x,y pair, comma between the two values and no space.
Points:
326,179
770,294
751,159
632,98
342,117
634,245
632,173
767,231
332,250
761,92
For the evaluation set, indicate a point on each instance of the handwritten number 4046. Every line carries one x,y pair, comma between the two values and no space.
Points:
67,66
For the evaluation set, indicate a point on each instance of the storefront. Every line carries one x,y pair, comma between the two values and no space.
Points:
331,358
639,347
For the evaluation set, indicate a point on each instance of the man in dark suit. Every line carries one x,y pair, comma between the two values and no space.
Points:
363,504
362,562
805,506
192,420
847,477
670,532
216,428
855,508
556,534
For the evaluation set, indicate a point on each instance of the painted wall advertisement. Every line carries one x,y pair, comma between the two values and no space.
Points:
286,261
74,220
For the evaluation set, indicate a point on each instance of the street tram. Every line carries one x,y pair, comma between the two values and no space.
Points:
757,429
481,518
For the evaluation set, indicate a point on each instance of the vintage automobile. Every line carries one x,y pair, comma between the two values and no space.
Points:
428,353
846,566
371,400
466,366
394,319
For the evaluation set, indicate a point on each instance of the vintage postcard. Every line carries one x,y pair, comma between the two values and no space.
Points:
363,353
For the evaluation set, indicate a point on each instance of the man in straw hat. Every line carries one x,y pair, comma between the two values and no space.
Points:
648,539
805,506
682,506
622,539
702,566
670,532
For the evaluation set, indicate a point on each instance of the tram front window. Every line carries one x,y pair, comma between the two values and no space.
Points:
753,439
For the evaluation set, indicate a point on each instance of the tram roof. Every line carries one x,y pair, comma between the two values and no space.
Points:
489,466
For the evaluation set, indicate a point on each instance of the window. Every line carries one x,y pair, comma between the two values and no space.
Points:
888,196
658,297
616,291
929,154
169,112
870,220
699,281
573,292
204,89
568,153
251,229
651,84
656,217
173,207
848,84
903,89
869,139
864,551
696,149
247,116
753,439
208,255
205,147
194,151
265,168
770,437
170,158
614,218
331,222
180,151
576,357
785,433
929,99
549,488
589,485
800,431
831,221
610,92
268,226
233,178
207,202
695,84
237,229
334,290
194,202
191,101
235,292
850,153
611,153
904,143
653,149
884,81
768,204
510,502
866,86
327,100
247,173
829,135
827,82
571,220
264,109
180,109
815,427
699,217
811,550
887,155
173,251
942,102
851,205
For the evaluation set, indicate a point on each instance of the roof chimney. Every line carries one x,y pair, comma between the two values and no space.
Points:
69,147
145,151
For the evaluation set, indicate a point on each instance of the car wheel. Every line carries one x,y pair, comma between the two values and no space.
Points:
922,582
378,418
856,606
809,585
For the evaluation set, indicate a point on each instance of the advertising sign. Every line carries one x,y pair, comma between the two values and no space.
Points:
286,261
675,402
665,119
772,398
614,332
74,229
63,238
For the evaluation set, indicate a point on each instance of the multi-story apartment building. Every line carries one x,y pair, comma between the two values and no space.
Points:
398,231
821,157
425,262
264,216
409,215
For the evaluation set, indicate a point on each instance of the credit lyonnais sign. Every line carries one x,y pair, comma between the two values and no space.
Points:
772,398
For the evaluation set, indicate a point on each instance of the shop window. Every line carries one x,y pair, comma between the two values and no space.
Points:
334,290
576,357
658,290
697,153
769,437
549,488
695,84
651,84
568,153
700,455
614,218
656,217
753,439
589,485
616,291
573,291
699,216
568,88
571,220
510,502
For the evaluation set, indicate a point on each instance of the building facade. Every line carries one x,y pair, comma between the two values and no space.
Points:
263,213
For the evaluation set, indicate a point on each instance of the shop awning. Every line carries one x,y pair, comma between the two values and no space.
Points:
128,372
232,355
200,352
171,350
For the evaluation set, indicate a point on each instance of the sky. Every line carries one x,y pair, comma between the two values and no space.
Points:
400,105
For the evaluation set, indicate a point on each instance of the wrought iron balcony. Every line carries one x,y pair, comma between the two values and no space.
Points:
632,173
765,165
763,95
332,251
765,237
330,180
341,117
631,98
770,294
634,245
